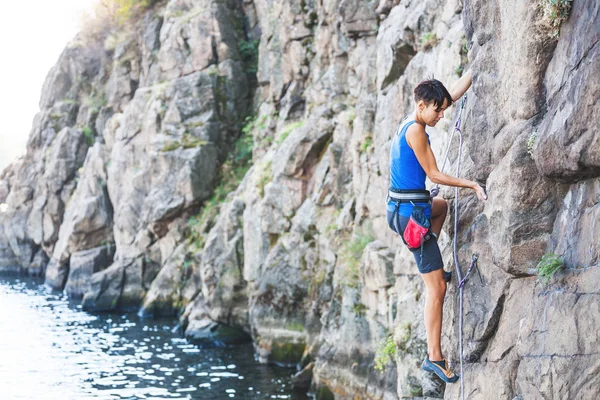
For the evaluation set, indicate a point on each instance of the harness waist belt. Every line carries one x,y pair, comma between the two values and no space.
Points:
407,196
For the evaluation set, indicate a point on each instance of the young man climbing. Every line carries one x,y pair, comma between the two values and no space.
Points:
411,161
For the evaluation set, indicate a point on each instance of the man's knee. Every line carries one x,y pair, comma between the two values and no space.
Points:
441,289
437,289
440,204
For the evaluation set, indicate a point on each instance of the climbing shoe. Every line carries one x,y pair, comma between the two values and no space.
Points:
441,369
447,276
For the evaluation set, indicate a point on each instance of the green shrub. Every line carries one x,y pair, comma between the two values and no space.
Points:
367,143
249,53
88,135
414,386
548,266
295,326
242,153
555,13
319,277
285,132
265,175
197,124
458,71
189,141
428,40
124,10
386,351
324,393
351,116
351,253
252,123
359,308
230,175
96,101
170,146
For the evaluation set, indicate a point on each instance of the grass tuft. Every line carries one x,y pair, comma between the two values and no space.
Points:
428,40
555,13
285,132
88,135
265,175
531,142
367,143
386,351
548,266
248,50
351,253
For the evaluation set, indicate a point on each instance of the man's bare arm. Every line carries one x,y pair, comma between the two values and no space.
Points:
417,140
462,85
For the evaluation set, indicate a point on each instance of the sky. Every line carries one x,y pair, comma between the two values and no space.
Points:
33,33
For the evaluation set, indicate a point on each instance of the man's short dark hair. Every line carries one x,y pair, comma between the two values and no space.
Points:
434,91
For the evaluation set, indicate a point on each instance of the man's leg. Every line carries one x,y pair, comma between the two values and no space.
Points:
439,209
434,303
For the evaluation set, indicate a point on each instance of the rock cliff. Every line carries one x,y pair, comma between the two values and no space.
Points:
226,162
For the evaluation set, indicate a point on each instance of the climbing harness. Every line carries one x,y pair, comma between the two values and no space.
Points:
461,279
418,229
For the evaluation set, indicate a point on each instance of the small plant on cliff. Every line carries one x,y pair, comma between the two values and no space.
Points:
359,308
367,143
555,13
530,143
403,334
351,253
264,176
287,130
96,101
249,124
124,10
351,115
428,40
414,386
88,134
170,146
189,141
548,266
109,19
249,53
231,174
386,351
458,71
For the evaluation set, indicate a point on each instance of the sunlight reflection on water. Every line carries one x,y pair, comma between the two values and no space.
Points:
50,349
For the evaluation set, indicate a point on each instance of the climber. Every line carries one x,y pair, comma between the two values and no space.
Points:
410,205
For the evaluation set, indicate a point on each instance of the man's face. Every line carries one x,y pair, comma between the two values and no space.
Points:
432,114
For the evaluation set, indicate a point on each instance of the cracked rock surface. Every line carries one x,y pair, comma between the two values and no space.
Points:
119,198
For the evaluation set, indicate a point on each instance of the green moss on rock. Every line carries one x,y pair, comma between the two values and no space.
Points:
287,352
324,393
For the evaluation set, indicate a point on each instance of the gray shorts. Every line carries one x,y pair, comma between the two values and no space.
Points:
429,258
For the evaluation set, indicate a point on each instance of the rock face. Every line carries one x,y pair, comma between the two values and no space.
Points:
121,197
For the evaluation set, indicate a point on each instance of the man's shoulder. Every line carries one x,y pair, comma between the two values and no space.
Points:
416,136
415,129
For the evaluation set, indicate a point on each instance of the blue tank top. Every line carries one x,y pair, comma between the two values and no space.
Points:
405,170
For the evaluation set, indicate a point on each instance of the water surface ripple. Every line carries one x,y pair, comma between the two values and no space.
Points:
50,349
